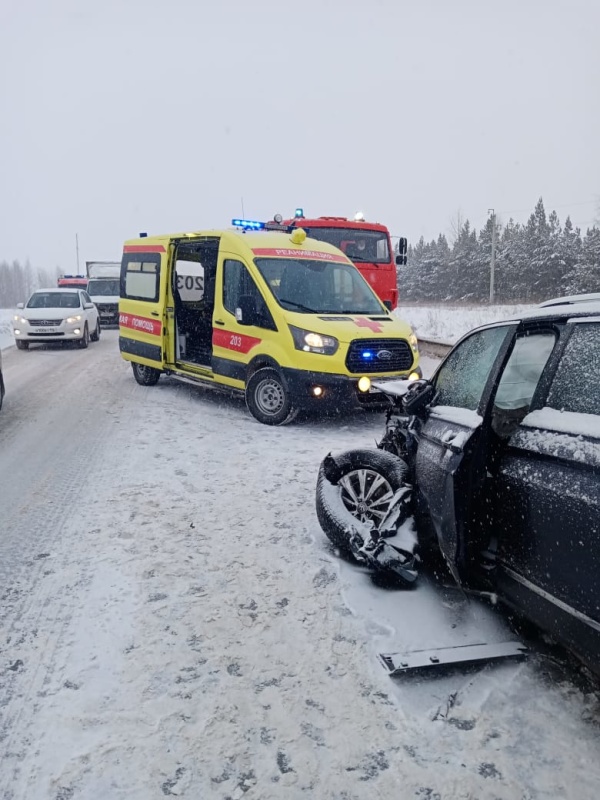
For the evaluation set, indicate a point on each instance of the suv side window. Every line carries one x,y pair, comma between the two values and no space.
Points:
519,380
577,378
462,378
238,283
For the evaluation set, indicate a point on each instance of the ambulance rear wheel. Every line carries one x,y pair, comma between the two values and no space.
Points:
145,376
268,399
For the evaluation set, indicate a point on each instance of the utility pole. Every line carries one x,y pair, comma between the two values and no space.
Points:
77,251
493,258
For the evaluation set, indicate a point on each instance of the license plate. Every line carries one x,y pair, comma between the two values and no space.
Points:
45,330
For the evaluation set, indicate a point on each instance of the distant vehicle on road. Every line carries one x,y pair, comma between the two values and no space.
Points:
72,282
56,315
103,288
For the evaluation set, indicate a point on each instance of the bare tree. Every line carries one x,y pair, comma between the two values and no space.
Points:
456,224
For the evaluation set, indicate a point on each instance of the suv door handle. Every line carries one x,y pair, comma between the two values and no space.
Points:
448,441
219,322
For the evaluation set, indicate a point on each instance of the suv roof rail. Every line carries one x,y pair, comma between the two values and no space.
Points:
571,300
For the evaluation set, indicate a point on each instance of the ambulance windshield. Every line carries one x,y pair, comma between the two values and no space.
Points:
312,286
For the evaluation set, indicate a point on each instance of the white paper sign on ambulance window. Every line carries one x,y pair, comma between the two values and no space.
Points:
190,280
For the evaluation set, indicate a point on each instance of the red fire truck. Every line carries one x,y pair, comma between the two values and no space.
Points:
367,245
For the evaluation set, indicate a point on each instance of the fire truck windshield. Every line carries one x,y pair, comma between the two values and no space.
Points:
359,245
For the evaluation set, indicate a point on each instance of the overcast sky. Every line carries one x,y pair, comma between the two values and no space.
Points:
120,116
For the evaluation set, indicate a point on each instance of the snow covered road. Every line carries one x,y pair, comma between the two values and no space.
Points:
173,622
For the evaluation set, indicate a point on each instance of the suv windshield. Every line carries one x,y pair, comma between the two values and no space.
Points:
358,245
311,286
107,287
54,300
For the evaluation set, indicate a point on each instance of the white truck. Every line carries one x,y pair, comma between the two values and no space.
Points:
103,289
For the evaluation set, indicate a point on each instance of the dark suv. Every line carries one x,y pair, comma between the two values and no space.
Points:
506,467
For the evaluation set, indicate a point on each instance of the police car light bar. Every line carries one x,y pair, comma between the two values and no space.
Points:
248,224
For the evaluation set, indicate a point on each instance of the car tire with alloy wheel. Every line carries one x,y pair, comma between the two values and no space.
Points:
145,376
96,334
268,398
85,339
21,345
363,486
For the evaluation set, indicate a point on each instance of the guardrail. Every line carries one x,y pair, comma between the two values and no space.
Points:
434,349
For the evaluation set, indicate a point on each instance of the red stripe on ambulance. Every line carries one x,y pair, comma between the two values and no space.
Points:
234,341
282,252
140,324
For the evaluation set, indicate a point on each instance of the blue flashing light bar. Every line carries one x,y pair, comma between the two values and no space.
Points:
248,224
299,212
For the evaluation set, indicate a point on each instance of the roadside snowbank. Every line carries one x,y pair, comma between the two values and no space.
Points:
446,323
6,335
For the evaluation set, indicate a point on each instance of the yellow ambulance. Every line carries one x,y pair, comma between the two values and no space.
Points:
259,309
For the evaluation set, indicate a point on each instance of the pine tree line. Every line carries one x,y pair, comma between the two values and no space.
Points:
534,262
17,281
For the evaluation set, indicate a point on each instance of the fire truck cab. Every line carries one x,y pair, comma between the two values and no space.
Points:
366,244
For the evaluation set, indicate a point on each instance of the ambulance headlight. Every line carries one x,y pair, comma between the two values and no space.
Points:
312,342
364,384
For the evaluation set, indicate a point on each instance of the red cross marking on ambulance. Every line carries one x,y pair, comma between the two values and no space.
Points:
363,322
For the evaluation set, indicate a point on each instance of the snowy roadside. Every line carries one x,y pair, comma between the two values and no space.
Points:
447,323
6,335
185,633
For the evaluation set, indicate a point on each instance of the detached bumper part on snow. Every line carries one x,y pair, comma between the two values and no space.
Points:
382,556
398,663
